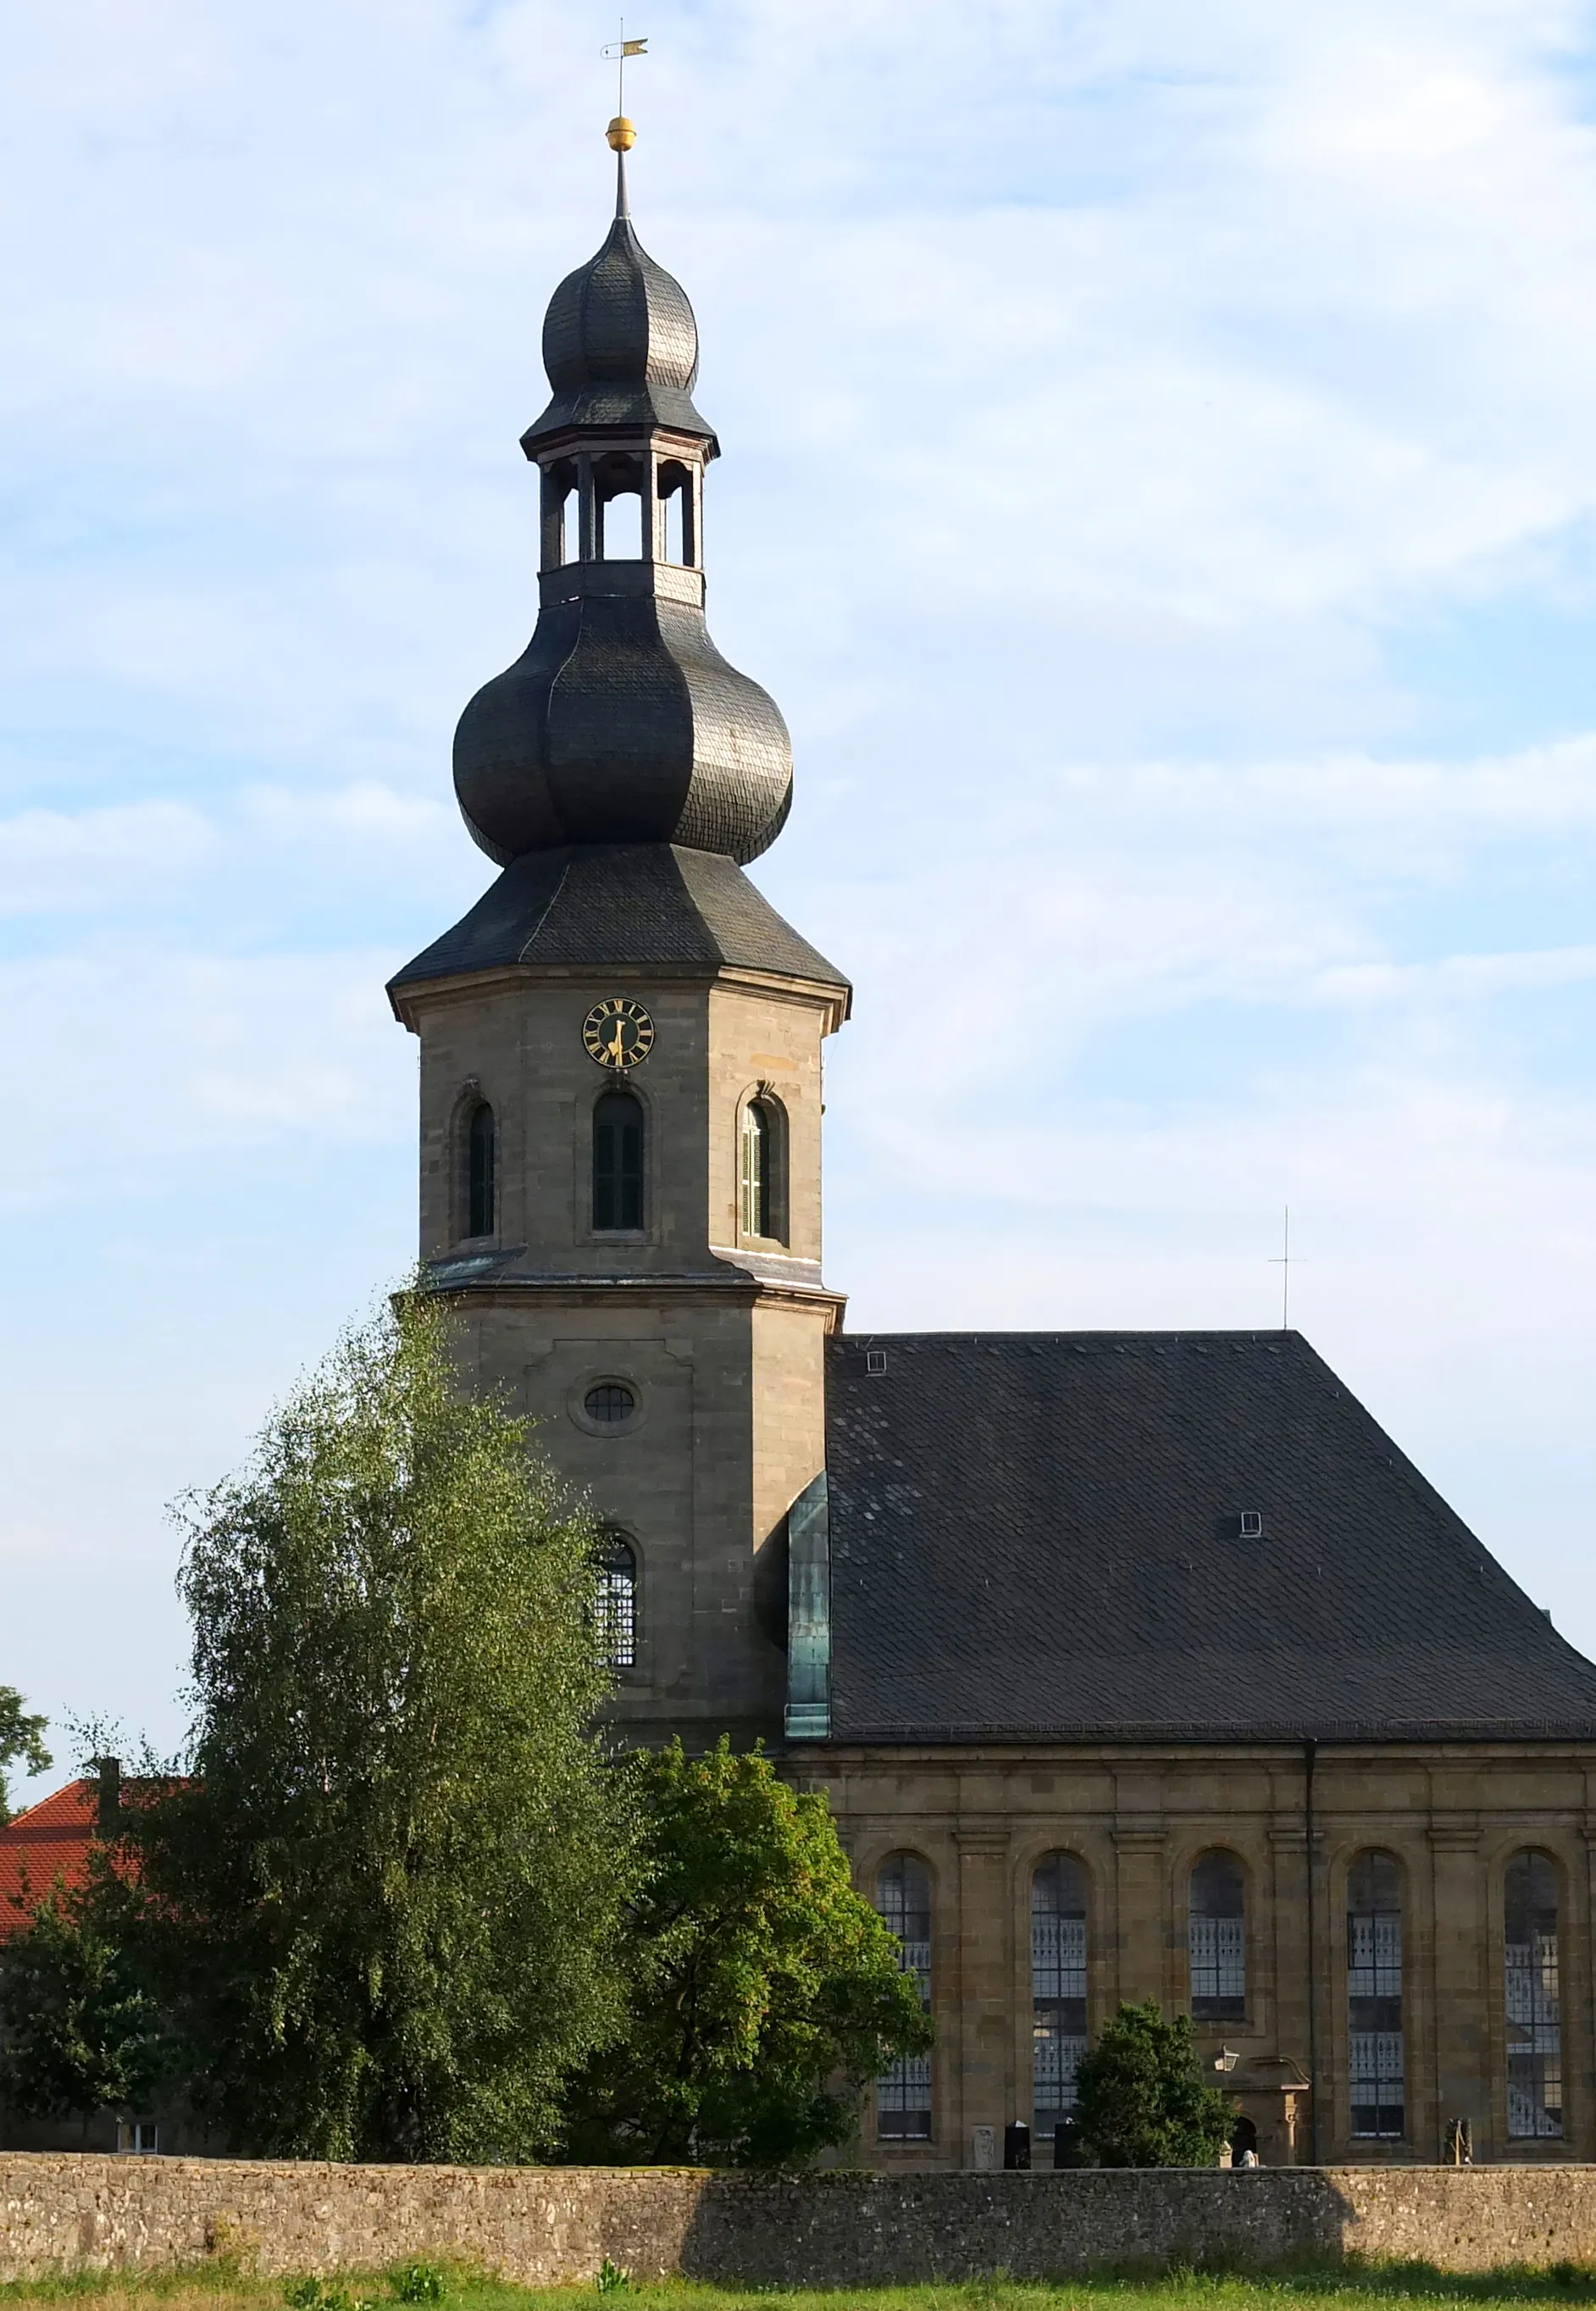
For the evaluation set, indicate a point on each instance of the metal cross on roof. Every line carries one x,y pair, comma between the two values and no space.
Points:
1283,1261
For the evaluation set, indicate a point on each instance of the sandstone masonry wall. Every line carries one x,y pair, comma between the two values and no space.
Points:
65,2212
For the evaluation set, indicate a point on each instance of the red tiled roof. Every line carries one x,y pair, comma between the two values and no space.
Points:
51,1840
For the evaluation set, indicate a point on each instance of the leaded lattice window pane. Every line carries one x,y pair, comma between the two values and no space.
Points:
904,2092
1058,1986
1217,1937
1534,2018
615,1606
1375,2077
1375,2065
1218,1958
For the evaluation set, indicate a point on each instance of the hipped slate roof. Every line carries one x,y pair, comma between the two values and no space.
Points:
654,905
1037,1536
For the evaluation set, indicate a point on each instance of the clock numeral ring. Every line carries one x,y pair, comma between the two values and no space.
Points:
618,1033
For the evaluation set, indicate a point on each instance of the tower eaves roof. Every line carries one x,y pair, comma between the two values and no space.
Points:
602,904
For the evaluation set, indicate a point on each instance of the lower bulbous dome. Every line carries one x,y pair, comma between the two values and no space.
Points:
621,722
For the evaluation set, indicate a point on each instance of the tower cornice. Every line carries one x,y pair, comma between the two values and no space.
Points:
408,1001
682,1290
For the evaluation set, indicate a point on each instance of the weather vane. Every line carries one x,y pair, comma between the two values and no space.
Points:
620,50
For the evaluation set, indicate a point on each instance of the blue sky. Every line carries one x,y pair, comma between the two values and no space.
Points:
1159,486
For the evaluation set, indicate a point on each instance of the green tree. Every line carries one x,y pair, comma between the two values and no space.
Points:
380,1905
22,1742
1141,2100
78,2032
764,1992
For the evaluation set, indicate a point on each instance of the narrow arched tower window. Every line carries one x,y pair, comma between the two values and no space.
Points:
1216,1933
1534,2023
614,1607
480,1164
1374,1997
1058,1985
758,1151
904,2093
618,1162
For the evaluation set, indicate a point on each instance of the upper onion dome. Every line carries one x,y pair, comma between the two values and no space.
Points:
619,342
621,722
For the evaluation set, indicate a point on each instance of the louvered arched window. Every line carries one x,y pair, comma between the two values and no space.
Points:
904,2093
762,1168
757,1153
1375,2062
481,1163
1058,1985
1217,1934
618,1162
1534,2022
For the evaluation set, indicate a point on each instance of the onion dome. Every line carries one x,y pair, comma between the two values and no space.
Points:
621,722
619,342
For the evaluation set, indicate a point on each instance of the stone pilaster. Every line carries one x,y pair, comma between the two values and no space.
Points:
1141,1937
1461,2035
986,2084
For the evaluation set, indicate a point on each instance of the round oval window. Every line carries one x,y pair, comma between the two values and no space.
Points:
609,1403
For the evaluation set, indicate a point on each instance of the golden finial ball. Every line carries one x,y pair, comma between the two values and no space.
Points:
620,135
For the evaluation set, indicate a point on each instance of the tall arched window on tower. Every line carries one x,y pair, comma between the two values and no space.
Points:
1374,1997
614,1609
618,1162
757,1160
480,1165
1058,1985
1217,1934
904,2093
1534,2026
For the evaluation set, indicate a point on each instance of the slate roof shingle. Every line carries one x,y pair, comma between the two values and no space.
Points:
1036,1536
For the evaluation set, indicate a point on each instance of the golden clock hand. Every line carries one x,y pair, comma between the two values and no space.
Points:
617,1050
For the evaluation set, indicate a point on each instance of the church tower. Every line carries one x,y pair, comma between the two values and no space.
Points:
621,1041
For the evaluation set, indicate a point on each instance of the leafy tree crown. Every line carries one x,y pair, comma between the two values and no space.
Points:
380,1904
22,1742
1141,2100
765,1991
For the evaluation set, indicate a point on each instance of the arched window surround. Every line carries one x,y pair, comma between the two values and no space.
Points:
774,1208
905,2099
469,1207
618,1602
1535,2081
609,1214
1376,2079
1218,1941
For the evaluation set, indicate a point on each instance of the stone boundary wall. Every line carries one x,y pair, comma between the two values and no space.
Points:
62,2212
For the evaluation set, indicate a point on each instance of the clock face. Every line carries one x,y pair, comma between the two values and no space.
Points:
618,1033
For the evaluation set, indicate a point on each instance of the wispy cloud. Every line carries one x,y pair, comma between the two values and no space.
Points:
54,860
